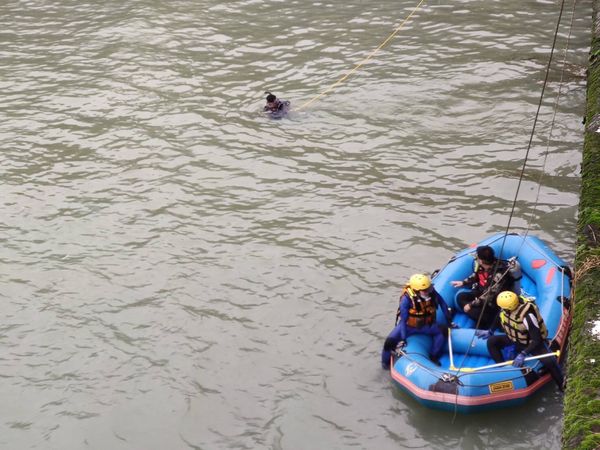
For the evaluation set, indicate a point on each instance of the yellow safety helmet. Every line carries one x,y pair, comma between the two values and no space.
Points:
507,300
419,282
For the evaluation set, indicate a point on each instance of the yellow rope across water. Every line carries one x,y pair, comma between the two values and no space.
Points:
359,65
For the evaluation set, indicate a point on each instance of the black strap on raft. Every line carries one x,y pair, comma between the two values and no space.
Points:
531,376
447,384
396,355
565,301
567,271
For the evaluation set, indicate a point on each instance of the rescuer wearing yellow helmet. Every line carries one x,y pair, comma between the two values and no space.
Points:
524,326
417,315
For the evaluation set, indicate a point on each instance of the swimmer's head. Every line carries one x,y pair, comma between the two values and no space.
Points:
270,97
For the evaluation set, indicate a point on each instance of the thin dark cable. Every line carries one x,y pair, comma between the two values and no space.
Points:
532,135
537,113
548,140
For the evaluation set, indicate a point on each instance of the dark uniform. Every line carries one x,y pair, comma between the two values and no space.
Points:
416,315
485,284
275,107
524,328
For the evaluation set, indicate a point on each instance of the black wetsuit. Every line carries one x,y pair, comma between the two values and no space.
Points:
481,294
536,346
279,109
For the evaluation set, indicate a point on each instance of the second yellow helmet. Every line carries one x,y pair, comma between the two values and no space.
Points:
507,300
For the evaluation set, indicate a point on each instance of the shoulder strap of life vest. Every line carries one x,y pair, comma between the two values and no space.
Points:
411,295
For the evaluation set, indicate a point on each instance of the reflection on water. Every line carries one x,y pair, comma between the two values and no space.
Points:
180,272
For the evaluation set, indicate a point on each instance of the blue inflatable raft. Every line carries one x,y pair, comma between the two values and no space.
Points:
464,382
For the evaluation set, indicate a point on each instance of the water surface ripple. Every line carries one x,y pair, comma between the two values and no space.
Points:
180,272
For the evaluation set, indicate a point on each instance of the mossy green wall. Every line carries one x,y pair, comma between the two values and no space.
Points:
582,399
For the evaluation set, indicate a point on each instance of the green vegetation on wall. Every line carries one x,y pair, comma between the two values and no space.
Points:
582,399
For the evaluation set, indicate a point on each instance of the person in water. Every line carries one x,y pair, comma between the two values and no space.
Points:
490,277
275,105
416,315
524,326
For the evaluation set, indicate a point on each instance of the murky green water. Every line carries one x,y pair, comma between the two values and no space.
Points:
180,272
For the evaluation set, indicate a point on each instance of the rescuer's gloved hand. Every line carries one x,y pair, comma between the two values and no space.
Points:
519,360
483,334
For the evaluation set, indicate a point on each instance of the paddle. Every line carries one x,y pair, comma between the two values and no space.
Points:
450,349
506,363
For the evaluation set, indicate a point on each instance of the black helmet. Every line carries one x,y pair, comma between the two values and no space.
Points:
486,254
270,97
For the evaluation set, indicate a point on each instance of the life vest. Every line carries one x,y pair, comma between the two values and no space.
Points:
421,312
513,322
484,279
482,276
